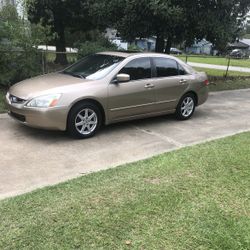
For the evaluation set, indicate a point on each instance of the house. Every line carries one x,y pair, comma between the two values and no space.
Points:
200,47
242,44
146,44
113,36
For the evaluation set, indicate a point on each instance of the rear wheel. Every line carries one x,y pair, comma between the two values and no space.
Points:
84,120
186,107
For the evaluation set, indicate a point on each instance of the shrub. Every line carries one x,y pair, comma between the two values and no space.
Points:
133,47
18,65
19,58
90,47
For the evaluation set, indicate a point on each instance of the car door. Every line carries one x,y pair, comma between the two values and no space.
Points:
135,97
170,80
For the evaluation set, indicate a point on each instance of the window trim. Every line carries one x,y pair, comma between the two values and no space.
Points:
178,64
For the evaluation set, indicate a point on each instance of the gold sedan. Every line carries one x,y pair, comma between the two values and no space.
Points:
105,88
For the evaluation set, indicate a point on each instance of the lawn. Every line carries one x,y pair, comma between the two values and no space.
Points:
217,60
217,72
193,198
226,84
247,36
71,57
229,84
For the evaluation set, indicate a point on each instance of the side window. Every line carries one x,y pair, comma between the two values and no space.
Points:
138,69
181,70
166,67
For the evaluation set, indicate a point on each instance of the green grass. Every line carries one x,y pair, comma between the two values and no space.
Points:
217,60
217,72
247,36
226,84
193,198
229,84
71,57
2,97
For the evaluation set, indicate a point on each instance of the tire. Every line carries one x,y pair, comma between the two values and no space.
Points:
186,107
84,120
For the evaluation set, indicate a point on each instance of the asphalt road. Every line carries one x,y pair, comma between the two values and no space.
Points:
31,158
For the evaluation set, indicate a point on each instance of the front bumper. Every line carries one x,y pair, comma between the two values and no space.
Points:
46,118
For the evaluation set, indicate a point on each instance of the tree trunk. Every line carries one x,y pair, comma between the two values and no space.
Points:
61,58
159,46
168,45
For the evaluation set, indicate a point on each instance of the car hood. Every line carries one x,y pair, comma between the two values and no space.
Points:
45,84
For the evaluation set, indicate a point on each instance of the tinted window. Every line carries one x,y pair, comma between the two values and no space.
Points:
138,69
181,70
166,67
94,66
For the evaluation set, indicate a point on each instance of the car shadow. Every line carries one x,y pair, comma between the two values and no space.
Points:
63,136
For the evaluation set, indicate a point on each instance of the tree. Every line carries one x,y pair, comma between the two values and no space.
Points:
18,40
175,20
60,15
217,21
143,18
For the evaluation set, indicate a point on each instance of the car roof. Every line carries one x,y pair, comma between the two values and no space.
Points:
116,53
134,53
127,54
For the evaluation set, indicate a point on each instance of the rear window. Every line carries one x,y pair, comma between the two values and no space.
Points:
166,67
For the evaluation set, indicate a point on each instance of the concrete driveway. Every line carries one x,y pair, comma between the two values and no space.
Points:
31,158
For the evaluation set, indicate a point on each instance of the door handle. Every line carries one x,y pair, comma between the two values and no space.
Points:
182,81
149,86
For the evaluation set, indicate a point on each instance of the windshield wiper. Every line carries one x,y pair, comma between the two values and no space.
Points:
73,74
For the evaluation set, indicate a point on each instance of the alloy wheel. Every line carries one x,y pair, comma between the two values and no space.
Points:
187,106
86,121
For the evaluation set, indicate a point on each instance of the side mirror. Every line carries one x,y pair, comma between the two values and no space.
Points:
122,78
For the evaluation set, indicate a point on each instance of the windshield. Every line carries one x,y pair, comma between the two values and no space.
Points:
94,67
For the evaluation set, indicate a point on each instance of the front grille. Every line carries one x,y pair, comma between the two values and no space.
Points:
17,100
18,116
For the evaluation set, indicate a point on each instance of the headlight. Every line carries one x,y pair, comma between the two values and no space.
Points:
45,101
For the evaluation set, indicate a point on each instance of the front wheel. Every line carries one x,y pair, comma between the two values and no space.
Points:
186,107
84,120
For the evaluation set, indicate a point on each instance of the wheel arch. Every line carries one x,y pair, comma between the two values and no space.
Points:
92,101
195,95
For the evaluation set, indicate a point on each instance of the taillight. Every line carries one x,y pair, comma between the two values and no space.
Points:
206,82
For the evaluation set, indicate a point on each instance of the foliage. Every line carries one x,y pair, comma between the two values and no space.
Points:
18,39
175,20
61,15
90,47
133,47
217,21
16,66
2,101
